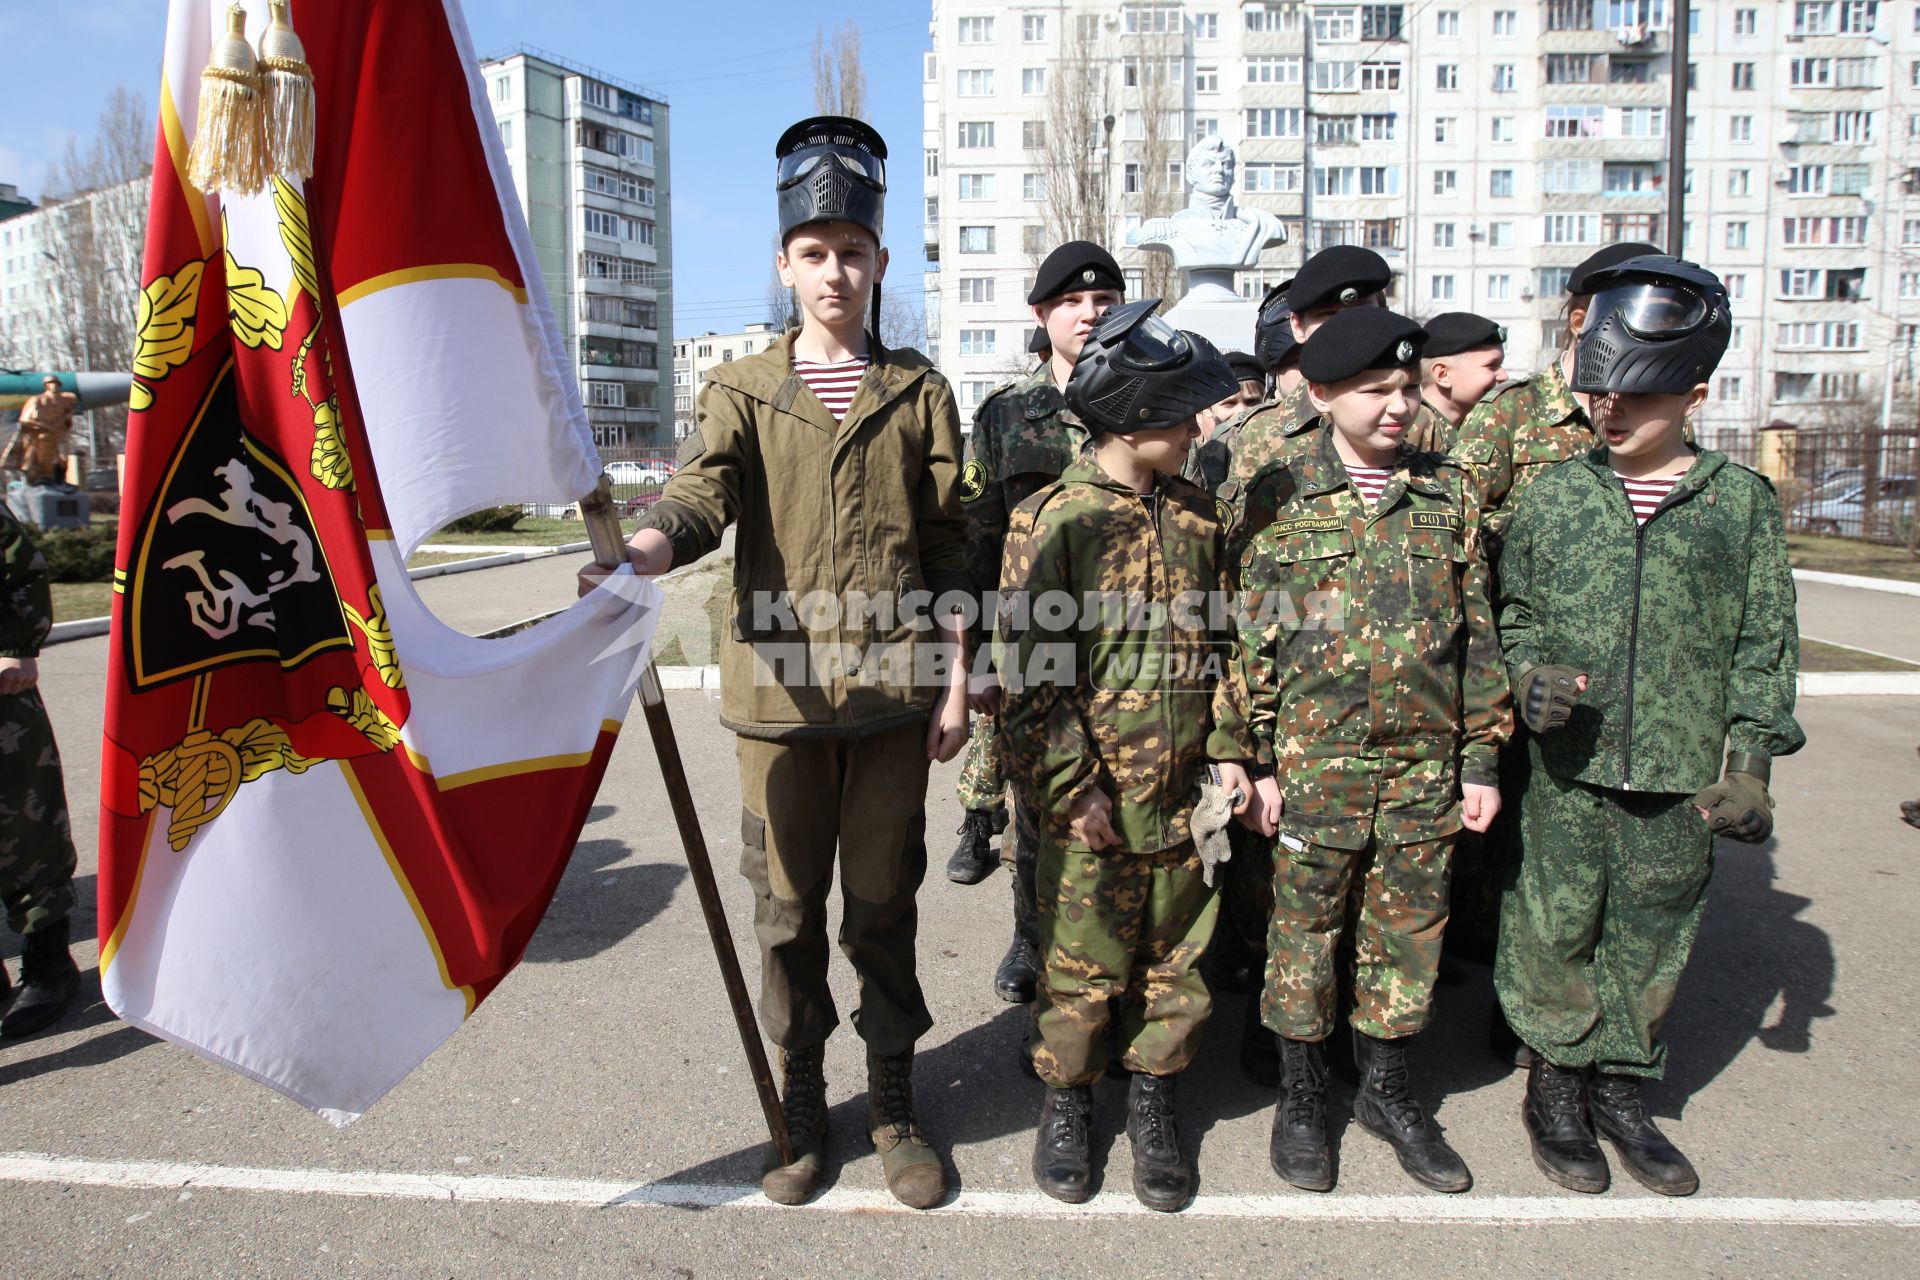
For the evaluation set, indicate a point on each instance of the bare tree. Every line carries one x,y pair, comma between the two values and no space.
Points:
1160,152
839,83
1075,156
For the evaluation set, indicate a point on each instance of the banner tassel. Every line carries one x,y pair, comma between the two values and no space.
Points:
289,89
228,143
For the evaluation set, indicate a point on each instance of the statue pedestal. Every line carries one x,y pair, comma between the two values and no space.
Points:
48,506
1213,310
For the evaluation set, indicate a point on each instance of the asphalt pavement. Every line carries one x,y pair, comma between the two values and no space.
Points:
595,1116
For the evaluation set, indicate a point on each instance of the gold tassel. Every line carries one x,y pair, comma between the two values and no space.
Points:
289,89
228,144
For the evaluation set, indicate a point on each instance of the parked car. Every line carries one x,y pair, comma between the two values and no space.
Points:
627,471
1846,514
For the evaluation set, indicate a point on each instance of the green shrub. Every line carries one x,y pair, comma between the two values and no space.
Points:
79,555
488,520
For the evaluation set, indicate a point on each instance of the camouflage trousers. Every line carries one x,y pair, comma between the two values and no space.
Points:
982,770
36,846
1600,920
807,806
1129,927
1365,845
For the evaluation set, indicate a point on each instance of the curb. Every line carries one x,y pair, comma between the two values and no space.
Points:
1892,586
1897,684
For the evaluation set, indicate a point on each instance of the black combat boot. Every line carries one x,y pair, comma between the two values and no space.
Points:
1063,1147
1019,969
1162,1176
1259,1048
1385,1108
48,979
1298,1149
803,1100
975,859
1621,1118
1555,1112
912,1168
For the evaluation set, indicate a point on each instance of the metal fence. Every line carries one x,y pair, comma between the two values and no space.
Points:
638,473
1850,483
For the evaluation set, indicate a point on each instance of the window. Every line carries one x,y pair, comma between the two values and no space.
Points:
1033,29
1446,23
1499,235
1446,77
1810,73
1336,25
1736,283
1377,128
976,186
1827,231
1273,178
1273,122
619,353
1206,26
1334,131
1807,180
600,223
1335,77
1334,181
506,133
1576,122
1273,71
1444,128
1728,388
1909,285
1379,77
1499,287
1263,20
1033,239
1446,182
1150,19
1033,187
1857,17
603,266
1503,128
1135,72
597,94
976,239
1503,77
975,84
1852,127
1381,233
1792,386
976,342
976,31
1739,128
1130,179
1506,23
976,289
614,142
973,392
1799,282
1569,15
1033,134
1443,235
1440,288
1642,122
1628,178
1736,235
1500,184
1910,231
1571,68
1206,79
1382,21
1205,127
1828,335
1743,75
1551,282
1572,228
975,135
1380,180
1568,177
1739,182
1617,227
1628,71
627,311
1746,22
1033,81
503,89
625,186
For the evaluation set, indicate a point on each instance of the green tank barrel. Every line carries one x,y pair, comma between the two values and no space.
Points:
96,390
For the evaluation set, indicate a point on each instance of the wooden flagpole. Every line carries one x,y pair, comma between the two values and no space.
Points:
610,550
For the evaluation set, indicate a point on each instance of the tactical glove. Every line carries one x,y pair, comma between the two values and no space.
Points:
1546,697
1738,805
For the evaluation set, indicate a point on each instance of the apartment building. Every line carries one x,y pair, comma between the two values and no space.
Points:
694,357
1482,148
590,160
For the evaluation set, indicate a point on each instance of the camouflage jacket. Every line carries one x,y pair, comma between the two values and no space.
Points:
1369,629
1137,700
1430,432
1509,439
1685,624
1272,431
26,602
1023,437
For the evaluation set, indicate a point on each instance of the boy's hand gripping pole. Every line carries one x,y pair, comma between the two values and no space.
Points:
610,549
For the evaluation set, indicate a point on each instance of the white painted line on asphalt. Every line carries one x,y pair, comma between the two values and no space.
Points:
1854,648
1468,1210
1895,684
1893,586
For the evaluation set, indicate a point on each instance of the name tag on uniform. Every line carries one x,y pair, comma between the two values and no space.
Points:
1434,520
1314,524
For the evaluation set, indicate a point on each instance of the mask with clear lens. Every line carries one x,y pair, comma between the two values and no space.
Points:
864,165
1154,344
1651,309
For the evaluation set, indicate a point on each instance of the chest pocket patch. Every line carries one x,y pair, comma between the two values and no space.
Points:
1434,520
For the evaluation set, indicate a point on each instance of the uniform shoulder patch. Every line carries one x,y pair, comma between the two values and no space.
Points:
1224,512
973,480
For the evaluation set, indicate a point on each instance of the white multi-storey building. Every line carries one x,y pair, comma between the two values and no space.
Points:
589,154
1482,148
695,357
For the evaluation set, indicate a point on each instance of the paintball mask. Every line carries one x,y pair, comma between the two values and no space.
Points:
1139,373
831,168
1656,324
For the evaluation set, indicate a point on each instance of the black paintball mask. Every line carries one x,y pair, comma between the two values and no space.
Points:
1139,373
831,168
1273,339
1655,324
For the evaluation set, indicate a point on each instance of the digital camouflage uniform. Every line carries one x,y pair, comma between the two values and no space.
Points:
1687,630
1508,441
36,847
1374,690
1023,438
1129,922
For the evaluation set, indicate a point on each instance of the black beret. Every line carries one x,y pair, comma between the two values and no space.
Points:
1038,343
1358,340
1245,367
1611,256
1451,332
1077,264
1340,275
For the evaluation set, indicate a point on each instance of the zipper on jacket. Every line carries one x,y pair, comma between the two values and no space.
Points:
1677,495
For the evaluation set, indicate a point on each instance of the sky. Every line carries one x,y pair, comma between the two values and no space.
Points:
730,100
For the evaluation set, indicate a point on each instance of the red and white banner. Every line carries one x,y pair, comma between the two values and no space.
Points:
331,823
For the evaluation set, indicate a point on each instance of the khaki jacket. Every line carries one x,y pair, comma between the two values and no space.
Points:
864,509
